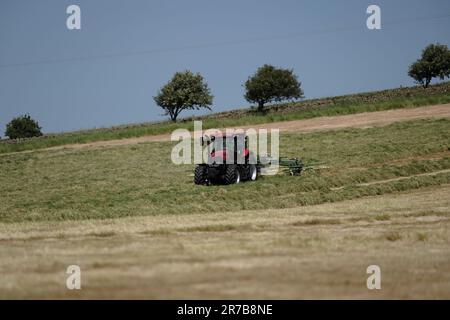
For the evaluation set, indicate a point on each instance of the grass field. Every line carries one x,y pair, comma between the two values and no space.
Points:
319,251
330,106
139,228
140,179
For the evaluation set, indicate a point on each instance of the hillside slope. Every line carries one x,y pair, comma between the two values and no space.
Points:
97,183
350,104
360,120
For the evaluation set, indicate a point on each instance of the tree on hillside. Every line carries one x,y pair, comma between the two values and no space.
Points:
271,84
23,127
435,62
185,90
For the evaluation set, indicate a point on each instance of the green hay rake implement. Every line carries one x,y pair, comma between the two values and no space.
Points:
290,166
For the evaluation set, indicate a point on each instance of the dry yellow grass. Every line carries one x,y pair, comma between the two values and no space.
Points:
317,251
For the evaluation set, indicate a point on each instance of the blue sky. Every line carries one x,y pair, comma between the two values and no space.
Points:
325,42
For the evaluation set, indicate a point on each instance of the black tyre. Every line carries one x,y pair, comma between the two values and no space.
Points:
232,175
200,175
251,172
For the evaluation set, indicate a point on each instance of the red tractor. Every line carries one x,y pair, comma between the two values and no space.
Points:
229,161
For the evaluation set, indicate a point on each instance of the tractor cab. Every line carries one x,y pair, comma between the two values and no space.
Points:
226,148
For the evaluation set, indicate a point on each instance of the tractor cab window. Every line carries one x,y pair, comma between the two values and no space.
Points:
230,143
236,143
216,144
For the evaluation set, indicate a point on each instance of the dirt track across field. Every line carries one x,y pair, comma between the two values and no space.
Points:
359,120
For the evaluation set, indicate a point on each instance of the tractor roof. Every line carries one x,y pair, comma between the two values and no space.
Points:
224,135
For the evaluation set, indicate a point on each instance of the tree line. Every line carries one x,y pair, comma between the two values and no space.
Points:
189,91
269,84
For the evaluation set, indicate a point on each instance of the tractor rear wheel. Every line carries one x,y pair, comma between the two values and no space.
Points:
200,175
232,175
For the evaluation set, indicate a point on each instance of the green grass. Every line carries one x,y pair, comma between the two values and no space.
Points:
422,236
393,236
382,217
313,222
350,104
140,180
216,228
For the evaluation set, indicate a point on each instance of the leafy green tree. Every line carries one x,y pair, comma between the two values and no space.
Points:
271,84
23,127
185,90
435,62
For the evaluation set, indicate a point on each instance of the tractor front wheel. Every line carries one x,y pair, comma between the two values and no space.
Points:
232,175
200,175
251,172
